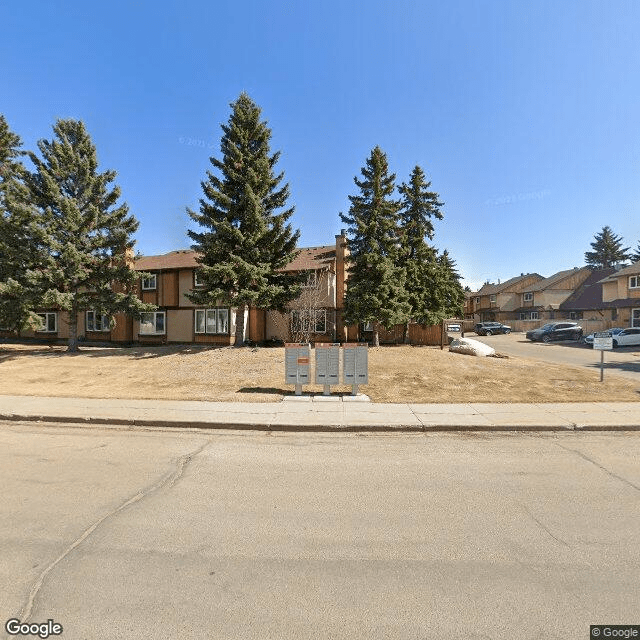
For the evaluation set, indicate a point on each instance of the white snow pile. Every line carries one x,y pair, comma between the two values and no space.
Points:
471,347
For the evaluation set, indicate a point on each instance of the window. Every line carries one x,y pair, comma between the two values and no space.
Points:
492,298
312,280
309,320
152,323
634,282
635,317
478,300
197,279
529,315
149,283
575,315
534,315
367,326
528,297
49,322
97,322
214,321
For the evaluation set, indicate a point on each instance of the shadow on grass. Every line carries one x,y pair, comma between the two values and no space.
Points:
270,390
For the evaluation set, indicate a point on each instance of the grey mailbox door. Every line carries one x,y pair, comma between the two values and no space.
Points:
296,368
355,365
327,363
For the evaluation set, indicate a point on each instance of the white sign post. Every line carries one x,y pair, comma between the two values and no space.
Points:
602,341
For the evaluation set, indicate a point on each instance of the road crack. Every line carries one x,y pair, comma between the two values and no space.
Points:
597,464
167,481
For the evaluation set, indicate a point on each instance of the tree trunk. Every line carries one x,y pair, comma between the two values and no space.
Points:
73,331
240,326
405,333
376,338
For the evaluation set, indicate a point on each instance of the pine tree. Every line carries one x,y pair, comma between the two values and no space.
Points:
635,256
450,293
607,250
19,237
418,206
246,239
375,292
86,233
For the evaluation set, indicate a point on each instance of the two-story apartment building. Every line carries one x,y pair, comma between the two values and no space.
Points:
497,301
541,300
173,275
621,295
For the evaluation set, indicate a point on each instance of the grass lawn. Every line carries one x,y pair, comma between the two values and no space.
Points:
396,374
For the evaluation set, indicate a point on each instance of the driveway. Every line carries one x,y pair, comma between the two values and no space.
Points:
623,361
158,534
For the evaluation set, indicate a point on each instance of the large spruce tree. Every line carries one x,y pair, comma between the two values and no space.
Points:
20,237
376,287
423,270
635,256
607,250
86,233
245,239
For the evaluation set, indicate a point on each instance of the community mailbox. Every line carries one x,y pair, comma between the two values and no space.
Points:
327,365
603,341
297,357
355,365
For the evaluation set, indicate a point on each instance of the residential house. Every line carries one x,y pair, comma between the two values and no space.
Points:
621,295
498,301
541,300
585,303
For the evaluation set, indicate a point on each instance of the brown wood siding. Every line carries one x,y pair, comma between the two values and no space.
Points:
203,338
257,324
98,336
123,331
150,296
425,334
169,289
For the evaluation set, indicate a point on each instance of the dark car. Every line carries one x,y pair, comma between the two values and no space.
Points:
556,331
491,328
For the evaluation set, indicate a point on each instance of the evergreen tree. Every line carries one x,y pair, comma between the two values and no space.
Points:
87,235
375,291
450,294
635,256
246,239
19,237
607,250
418,206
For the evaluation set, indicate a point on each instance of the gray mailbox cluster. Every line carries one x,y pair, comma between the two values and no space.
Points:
354,365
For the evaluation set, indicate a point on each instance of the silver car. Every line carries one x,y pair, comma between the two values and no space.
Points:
627,337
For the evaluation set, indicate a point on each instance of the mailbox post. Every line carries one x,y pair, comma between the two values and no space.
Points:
296,368
327,365
355,365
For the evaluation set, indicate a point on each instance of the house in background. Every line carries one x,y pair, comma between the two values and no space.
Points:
497,301
586,302
171,276
541,300
621,295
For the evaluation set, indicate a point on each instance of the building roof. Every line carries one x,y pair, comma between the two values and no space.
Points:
631,270
589,294
556,278
307,258
488,288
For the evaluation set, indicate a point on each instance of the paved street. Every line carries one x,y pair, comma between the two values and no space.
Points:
623,361
122,533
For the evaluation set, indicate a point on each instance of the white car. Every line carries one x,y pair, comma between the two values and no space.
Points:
627,337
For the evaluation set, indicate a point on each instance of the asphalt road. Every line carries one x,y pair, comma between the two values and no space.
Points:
623,361
158,534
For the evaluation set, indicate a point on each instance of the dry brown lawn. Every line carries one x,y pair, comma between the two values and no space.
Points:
396,374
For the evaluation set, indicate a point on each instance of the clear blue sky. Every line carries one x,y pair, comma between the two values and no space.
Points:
525,115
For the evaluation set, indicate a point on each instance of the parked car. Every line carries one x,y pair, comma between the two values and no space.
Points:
556,331
627,337
612,332
489,328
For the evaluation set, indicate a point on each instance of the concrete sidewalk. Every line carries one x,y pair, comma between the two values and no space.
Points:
332,413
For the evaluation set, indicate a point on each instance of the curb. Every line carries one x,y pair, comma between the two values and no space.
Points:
315,428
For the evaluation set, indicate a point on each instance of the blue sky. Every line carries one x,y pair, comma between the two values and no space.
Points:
524,115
